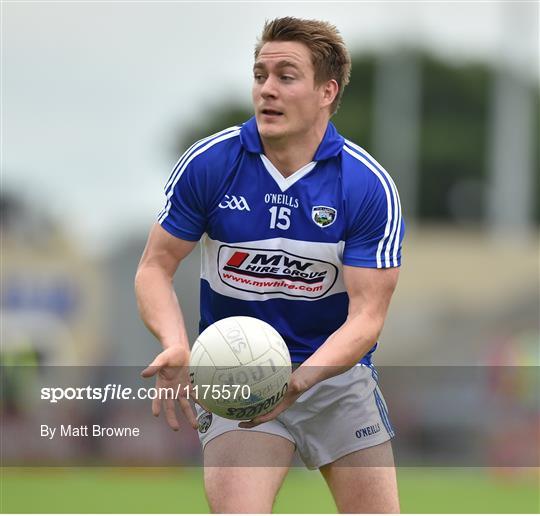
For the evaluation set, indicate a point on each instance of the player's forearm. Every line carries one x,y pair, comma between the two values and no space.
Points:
343,349
159,307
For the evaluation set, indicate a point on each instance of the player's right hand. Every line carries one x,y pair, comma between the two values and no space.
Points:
171,368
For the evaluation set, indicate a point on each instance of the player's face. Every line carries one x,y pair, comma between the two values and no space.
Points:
286,100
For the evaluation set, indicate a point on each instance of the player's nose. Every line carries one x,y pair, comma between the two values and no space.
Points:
269,88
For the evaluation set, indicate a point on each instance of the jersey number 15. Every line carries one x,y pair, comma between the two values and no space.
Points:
279,217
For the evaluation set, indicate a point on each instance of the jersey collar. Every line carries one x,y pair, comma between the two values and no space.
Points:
330,146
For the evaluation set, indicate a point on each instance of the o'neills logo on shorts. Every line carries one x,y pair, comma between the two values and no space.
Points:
271,271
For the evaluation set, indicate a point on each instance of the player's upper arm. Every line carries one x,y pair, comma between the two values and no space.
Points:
195,184
375,227
370,290
184,213
186,196
164,251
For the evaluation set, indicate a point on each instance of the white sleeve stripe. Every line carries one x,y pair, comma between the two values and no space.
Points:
398,234
186,154
223,137
396,229
388,203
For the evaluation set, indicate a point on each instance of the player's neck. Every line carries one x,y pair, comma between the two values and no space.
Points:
291,154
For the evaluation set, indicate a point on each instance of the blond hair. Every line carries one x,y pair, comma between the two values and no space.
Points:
329,55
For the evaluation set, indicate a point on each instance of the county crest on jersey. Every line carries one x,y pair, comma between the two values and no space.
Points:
274,247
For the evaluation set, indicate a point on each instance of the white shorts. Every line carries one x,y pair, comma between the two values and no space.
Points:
336,417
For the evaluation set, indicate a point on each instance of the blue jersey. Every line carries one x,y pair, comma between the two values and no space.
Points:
273,247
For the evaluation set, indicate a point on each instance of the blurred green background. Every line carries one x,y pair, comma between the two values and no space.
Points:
174,490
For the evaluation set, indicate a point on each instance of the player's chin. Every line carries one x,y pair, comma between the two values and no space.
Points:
270,128
271,131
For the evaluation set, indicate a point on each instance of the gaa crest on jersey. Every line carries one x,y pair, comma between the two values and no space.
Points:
234,202
323,216
204,422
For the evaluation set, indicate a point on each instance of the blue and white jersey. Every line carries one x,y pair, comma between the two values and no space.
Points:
273,247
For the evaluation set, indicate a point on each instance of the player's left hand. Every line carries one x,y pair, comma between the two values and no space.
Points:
297,387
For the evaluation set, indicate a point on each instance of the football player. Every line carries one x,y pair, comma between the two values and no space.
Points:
301,228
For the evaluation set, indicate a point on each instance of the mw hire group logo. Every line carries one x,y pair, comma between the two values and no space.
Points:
273,271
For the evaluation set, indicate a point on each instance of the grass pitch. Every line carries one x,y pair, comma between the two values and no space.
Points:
175,490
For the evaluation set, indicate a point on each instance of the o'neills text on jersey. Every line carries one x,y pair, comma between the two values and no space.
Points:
283,199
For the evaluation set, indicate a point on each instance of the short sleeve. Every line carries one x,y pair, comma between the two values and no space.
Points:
184,215
376,227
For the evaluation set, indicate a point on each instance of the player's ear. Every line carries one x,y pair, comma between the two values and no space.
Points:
329,92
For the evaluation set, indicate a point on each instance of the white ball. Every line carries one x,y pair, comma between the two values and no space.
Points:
239,368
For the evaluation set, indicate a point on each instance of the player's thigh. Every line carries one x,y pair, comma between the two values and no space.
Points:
364,481
243,470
